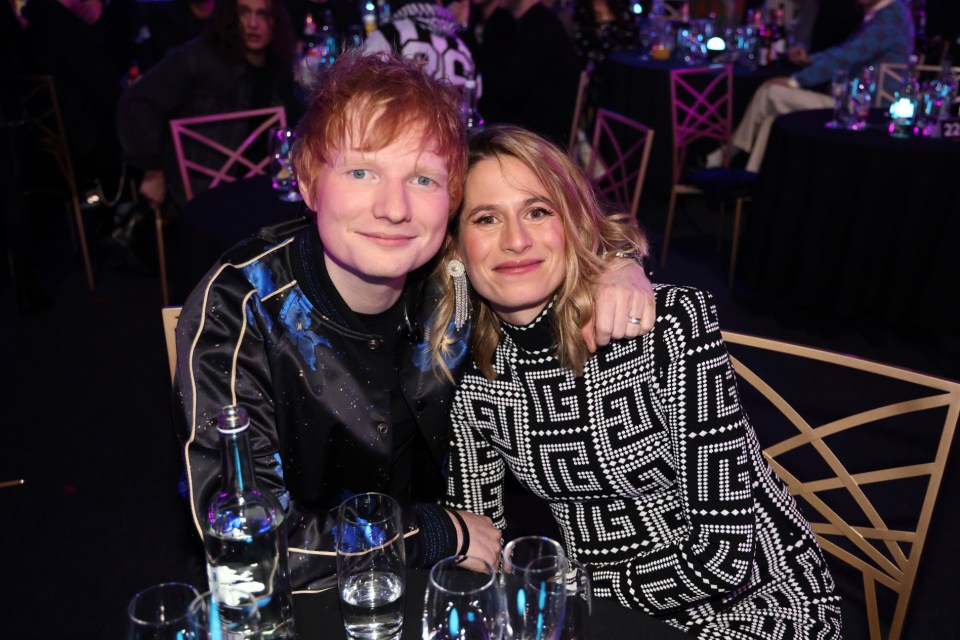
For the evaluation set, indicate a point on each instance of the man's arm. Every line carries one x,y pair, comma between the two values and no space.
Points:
621,295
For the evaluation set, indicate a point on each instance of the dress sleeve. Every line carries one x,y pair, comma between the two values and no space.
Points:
709,444
477,472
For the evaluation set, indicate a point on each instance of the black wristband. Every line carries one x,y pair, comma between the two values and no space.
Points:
465,545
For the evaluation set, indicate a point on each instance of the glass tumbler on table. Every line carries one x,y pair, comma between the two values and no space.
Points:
461,604
160,612
840,89
282,175
577,609
861,98
371,566
225,614
533,584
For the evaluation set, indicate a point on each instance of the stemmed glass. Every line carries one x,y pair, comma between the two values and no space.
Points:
282,175
461,604
533,583
160,612
840,88
371,567
576,611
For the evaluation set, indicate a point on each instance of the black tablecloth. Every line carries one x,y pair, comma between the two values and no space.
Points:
318,616
640,89
217,219
857,224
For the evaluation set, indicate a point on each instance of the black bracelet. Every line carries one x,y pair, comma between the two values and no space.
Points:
465,545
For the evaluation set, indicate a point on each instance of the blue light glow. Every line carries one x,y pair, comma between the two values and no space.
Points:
637,8
902,108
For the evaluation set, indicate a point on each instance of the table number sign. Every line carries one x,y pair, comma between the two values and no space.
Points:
950,129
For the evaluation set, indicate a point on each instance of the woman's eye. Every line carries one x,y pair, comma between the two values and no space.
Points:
540,212
359,174
487,219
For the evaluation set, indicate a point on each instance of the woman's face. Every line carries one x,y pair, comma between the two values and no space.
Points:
511,239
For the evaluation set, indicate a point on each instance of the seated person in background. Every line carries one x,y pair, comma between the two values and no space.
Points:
886,35
317,326
531,72
642,450
427,33
167,24
244,60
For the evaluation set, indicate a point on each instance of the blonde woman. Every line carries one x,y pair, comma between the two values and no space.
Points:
642,450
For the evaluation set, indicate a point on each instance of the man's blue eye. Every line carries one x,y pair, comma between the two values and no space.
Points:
424,181
359,174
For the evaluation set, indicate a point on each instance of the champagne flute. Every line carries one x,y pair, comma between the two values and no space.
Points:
371,566
576,612
533,582
461,604
160,612
282,175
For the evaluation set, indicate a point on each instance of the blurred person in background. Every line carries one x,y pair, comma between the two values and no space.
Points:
427,32
243,60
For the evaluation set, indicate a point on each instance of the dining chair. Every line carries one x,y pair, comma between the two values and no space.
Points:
619,154
204,161
576,124
701,101
170,317
892,76
41,107
863,447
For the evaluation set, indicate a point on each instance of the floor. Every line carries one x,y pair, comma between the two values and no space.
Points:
87,426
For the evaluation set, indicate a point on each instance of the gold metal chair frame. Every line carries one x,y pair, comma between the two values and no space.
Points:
896,73
170,317
879,551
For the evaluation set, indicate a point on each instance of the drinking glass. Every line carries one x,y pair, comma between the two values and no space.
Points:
371,566
840,89
462,604
225,614
576,610
281,168
861,97
160,612
533,585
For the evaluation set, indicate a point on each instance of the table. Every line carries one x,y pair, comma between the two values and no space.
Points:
640,89
318,616
857,224
219,218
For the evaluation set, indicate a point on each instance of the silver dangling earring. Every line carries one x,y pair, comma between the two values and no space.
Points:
461,299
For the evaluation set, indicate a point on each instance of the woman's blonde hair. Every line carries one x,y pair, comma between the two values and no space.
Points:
589,233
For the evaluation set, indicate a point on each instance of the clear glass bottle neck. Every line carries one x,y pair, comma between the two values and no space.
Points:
237,462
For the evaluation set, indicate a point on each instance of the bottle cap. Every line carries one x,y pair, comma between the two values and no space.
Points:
232,419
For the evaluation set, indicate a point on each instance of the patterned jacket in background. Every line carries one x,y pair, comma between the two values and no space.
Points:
653,473
887,36
261,330
427,32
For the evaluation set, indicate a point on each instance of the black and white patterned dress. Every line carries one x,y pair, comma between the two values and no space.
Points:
652,472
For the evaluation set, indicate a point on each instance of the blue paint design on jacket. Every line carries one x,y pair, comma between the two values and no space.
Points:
295,318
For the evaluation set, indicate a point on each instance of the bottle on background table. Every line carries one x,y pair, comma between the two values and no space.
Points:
903,110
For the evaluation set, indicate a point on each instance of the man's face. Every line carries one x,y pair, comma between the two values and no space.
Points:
256,24
380,214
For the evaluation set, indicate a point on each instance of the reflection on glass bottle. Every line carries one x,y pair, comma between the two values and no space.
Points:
244,537
469,115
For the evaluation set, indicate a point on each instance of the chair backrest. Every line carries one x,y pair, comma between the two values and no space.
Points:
38,97
622,147
864,455
892,75
578,110
701,100
170,317
225,163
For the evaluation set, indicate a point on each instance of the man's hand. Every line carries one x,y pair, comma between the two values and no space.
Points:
153,187
621,293
799,56
484,540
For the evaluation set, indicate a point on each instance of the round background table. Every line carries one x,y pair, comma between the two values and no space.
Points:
856,223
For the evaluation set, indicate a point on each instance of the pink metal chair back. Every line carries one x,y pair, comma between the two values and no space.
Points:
622,147
702,108
260,120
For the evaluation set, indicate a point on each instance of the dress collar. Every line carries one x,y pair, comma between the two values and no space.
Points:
537,336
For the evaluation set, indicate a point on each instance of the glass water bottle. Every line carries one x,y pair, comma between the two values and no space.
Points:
244,537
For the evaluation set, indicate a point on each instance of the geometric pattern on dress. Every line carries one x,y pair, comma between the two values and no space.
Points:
653,475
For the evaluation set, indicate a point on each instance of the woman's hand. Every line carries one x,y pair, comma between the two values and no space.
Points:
485,540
